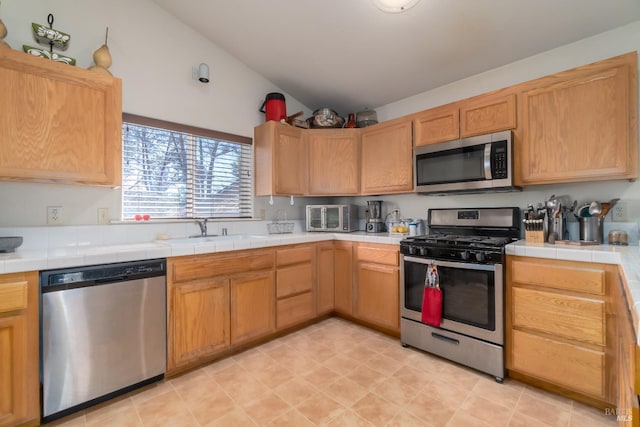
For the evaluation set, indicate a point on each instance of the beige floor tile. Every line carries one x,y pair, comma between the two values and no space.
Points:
366,377
206,402
320,409
166,409
291,418
385,365
246,390
396,391
341,364
295,391
75,420
375,409
556,399
345,391
405,418
464,419
348,419
447,392
431,410
274,375
583,415
115,412
321,376
544,411
486,410
266,409
506,394
415,378
149,392
235,418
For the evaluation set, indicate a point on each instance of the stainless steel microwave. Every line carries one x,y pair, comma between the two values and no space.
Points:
336,218
470,165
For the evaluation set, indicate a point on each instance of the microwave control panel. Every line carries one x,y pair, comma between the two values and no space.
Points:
499,162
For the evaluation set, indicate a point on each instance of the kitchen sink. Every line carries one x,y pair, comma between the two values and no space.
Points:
211,239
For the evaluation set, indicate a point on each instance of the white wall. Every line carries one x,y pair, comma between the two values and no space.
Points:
153,54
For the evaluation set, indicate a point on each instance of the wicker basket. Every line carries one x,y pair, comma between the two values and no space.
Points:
280,227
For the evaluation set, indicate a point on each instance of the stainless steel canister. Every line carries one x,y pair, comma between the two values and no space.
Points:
591,228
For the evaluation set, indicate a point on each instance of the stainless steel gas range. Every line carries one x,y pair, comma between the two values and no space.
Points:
467,247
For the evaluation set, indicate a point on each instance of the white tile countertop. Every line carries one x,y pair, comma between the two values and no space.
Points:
80,255
628,257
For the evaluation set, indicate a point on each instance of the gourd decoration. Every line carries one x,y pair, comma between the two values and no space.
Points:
53,38
3,34
102,57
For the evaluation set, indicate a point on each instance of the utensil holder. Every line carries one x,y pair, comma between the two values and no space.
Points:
591,228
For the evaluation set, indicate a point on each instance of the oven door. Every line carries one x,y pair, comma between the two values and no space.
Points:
472,294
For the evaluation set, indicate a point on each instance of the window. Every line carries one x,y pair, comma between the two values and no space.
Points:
177,171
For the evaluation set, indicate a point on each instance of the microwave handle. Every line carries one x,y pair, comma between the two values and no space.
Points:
323,218
487,161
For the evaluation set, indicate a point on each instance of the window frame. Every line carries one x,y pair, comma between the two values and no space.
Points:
194,131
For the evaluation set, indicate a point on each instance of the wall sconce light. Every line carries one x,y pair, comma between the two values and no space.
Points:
201,73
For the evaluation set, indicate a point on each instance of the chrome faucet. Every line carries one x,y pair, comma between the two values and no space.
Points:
202,223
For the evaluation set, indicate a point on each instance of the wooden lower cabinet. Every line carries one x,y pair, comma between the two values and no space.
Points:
561,326
252,306
200,319
19,383
295,283
325,280
343,274
377,285
216,301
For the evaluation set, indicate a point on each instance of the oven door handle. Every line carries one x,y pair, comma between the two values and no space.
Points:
463,265
445,338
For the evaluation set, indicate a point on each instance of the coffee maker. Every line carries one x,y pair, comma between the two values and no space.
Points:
375,223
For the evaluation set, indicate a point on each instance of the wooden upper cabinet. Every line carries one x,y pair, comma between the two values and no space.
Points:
387,158
580,125
280,160
334,161
435,125
58,122
487,113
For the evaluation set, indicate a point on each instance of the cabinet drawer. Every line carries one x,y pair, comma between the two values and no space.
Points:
582,319
566,365
377,255
13,296
554,275
204,266
292,280
294,309
294,255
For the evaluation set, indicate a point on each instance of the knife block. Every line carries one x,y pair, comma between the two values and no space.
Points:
534,236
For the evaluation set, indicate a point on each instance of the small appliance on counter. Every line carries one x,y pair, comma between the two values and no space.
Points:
375,223
332,218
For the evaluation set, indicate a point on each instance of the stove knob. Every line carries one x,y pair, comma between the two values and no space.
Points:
424,251
481,257
412,250
464,255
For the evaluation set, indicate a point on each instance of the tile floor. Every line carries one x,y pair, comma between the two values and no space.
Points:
335,373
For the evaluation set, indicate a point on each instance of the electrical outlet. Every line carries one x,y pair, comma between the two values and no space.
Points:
103,215
54,215
618,213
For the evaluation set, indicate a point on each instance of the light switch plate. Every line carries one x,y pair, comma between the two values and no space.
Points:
103,215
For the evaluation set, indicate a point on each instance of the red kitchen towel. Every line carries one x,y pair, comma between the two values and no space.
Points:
432,306
432,297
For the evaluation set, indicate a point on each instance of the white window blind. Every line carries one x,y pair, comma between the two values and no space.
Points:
177,171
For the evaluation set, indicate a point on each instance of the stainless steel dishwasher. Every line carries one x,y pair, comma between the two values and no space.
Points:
102,333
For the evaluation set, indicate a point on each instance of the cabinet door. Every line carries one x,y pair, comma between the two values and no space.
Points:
334,162
378,295
324,278
199,320
58,122
19,397
343,278
387,158
487,113
252,306
581,125
280,160
435,125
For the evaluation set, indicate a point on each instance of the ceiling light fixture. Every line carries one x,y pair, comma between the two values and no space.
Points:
395,6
